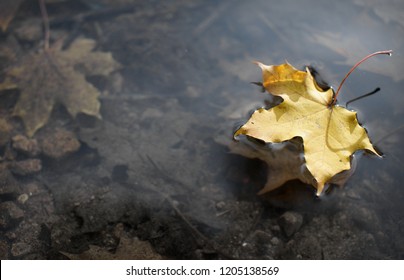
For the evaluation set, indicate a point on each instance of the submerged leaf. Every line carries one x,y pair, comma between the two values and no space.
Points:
331,134
58,76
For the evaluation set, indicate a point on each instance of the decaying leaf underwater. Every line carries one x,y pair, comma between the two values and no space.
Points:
55,76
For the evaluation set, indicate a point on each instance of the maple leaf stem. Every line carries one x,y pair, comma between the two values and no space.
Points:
388,52
45,19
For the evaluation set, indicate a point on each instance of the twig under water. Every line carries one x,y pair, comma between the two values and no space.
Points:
45,20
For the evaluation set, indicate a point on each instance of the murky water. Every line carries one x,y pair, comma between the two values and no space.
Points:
157,163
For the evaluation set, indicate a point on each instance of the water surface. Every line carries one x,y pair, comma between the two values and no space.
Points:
156,162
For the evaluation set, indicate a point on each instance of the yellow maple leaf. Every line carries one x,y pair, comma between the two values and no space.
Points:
330,133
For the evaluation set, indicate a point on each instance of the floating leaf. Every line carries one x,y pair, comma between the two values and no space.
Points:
58,76
330,133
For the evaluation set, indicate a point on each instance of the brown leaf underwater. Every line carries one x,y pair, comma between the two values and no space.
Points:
56,76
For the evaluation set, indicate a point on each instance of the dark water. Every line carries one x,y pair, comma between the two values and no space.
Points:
184,84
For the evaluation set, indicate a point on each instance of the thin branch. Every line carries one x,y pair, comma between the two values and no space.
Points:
45,19
199,235
390,133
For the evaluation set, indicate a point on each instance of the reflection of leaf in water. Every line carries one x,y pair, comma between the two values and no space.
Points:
7,12
58,76
350,46
331,134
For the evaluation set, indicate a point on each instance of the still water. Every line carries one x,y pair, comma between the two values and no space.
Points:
156,167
